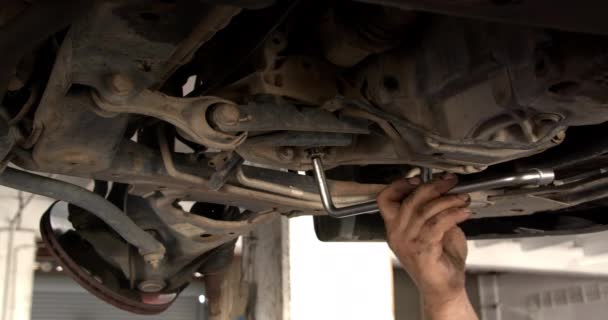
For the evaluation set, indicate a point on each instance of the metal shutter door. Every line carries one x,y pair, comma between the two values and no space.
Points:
60,298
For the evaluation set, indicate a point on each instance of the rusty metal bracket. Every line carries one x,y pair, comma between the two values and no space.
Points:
279,115
189,115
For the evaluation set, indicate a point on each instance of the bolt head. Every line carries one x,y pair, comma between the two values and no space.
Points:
226,114
286,153
559,137
120,84
15,84
151,285
432,142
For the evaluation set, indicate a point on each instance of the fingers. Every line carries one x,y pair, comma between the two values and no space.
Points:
424,194
430,191
435,228
389,200
433,208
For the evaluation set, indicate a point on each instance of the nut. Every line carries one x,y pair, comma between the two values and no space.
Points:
548,119
120,84
559,137
432,143
153,259
151,285
15,84
286,153
226,115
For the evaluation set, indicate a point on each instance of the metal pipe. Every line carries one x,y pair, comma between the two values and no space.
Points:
150,248
293,191
170,165
328,204
535,177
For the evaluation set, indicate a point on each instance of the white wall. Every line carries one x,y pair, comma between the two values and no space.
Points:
520,296
585,254
17,251
332,281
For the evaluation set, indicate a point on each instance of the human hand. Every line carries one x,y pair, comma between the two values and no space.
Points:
422,231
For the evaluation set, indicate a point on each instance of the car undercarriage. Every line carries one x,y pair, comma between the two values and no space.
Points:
197,120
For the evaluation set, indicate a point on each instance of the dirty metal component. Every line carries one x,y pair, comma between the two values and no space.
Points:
268,154
65,125
191,244
120,84
399,146
306,78
249,4
502,209
149,248
324,192
576,151
485,113
26,107
168,161
68,128
219,178
204,228
151,286
535,177
217,62
33,25
189,115
214,18
7,140
301,139
426,174
286,153
226,115
583,16
351,32
146,41
284,117
303,187
143,168
153,304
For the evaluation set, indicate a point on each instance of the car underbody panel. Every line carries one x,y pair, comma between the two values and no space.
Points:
225,104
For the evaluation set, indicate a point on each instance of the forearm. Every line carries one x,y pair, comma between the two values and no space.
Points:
458,308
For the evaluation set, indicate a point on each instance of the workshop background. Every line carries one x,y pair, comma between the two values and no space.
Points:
535,278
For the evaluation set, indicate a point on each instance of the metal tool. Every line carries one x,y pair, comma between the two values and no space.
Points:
533,177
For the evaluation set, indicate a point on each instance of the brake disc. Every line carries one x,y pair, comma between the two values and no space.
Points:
95,278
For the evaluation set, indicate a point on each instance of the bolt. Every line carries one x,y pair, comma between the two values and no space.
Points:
15,84
226,115
120,84
473,169
151,285
559,137
153,259
432,143
286,153
547,118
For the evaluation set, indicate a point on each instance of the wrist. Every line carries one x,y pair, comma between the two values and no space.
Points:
455,306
